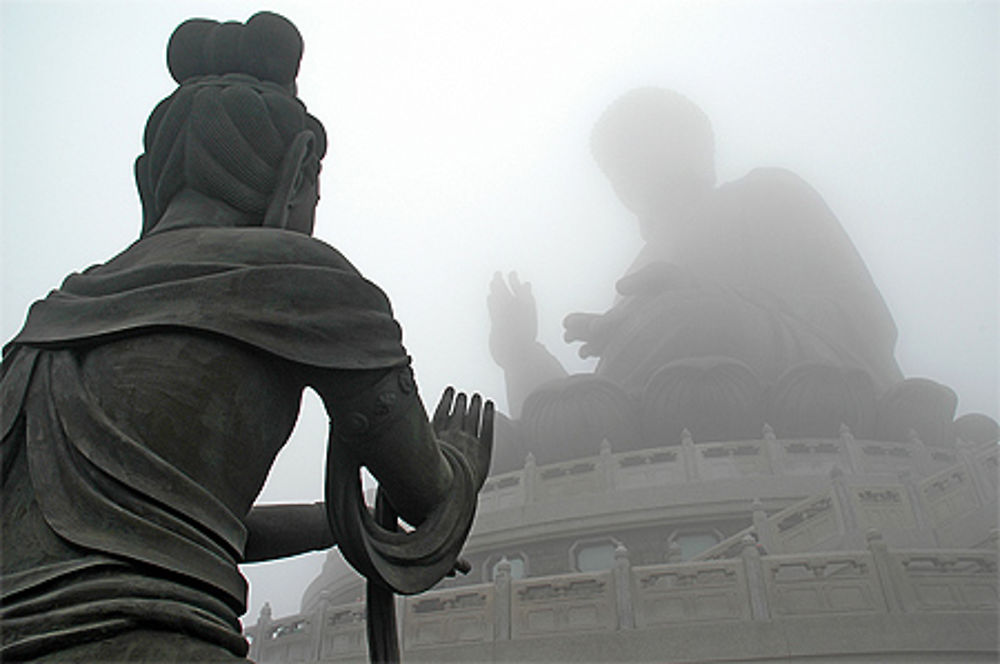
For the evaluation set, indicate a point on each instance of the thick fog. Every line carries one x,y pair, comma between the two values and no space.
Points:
458,137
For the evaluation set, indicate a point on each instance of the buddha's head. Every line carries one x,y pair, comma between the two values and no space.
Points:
233,134
657,149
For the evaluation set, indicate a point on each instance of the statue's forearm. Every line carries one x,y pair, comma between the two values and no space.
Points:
534,368
381,421
405,458
279,531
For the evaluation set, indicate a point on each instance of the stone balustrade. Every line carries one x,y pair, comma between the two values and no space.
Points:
751,588
768,457
940,508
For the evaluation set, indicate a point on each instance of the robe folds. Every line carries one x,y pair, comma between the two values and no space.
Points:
102,535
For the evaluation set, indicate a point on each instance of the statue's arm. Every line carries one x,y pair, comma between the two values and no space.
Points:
282,530
514,344
534,366
279,531
399,447
385,427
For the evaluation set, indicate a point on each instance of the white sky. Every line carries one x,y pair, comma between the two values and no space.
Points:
458,146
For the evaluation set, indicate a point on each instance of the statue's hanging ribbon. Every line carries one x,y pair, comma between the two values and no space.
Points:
394,561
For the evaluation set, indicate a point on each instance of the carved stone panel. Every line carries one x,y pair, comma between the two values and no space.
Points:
669,594
571,603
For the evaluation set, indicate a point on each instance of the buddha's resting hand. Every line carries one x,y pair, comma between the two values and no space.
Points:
594,330
466,425
514,318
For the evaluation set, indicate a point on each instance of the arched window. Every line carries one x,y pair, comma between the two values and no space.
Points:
693,542
593,555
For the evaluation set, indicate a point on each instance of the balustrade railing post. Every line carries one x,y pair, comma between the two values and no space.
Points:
843,498
623,588
753,569
261,632
925,461
607,467
502,601
983,490
889,573
529,478
916,498
854,459
690,454
764,528
771,451
318,625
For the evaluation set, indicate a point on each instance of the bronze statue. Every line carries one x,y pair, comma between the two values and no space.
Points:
757,271
144,401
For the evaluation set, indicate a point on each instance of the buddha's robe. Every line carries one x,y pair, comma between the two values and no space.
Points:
762,272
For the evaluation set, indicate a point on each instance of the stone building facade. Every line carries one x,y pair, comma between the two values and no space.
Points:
768,550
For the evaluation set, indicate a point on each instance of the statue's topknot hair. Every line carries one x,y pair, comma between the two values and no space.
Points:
226,129
268,47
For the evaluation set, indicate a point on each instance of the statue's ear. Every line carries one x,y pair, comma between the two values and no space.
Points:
291,178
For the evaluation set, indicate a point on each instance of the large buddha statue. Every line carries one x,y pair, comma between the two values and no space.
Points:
736,285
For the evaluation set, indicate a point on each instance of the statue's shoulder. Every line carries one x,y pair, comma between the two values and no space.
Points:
772,186
240,246
777,201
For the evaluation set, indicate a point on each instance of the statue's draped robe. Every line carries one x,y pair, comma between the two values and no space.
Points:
762,273
102,535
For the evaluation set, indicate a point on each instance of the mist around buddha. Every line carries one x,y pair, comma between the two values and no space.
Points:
460,145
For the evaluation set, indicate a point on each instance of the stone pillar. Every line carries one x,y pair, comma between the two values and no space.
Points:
840,492
607,467
261,632
924,459
916,498
756,581
771,451
764,528
690,455
529,478
854,459
502,601
319,625
895,587
984,491
623,588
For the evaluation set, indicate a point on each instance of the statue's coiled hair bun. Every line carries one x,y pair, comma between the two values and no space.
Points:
268,47
226,129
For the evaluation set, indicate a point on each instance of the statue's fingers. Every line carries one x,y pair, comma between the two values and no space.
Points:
440,419
498,287
486,439
458,415
486,435
515,283
471,424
